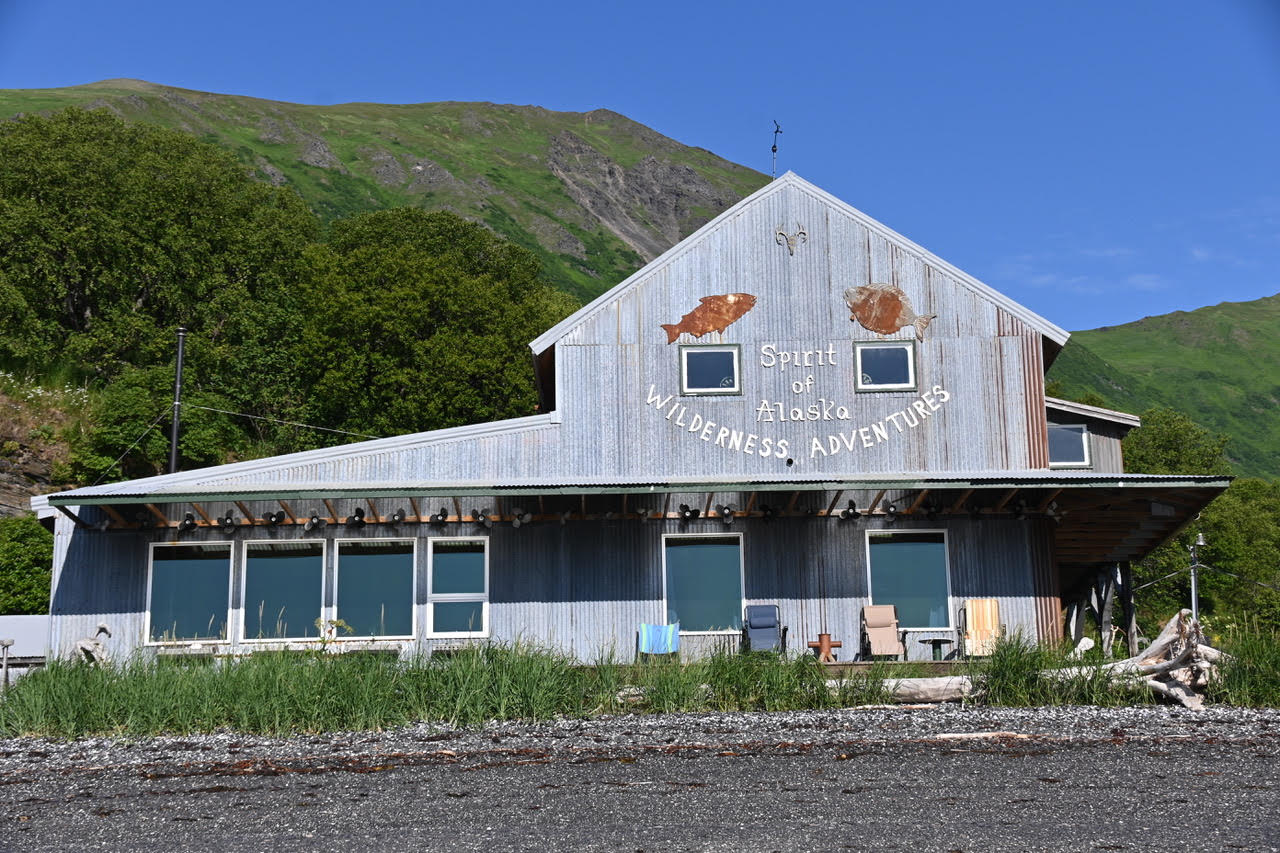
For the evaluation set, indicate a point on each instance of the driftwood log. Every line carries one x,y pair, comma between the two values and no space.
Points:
1176,666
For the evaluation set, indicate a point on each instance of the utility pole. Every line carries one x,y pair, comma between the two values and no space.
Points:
177,403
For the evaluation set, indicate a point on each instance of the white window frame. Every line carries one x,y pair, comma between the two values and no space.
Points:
333,612
946,559
244,585
742,579
433,598
1084,440
686,391
151,555
912,381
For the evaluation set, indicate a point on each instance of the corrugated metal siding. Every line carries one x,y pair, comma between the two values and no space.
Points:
96,578
585,586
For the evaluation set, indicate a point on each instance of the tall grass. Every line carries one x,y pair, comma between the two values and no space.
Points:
285,692
1250,677
1022,674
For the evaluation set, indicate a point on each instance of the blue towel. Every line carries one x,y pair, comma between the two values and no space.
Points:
659,639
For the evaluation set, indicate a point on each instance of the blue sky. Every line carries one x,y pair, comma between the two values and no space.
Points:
1096,161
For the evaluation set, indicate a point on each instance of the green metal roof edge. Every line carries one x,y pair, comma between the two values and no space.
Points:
483,489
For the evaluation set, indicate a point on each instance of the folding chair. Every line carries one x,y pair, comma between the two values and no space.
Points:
979,626
762,630
880,634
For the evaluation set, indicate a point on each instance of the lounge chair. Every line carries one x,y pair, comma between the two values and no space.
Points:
979,626
762,629
880,634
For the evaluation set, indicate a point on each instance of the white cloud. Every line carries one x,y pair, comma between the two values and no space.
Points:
1147,281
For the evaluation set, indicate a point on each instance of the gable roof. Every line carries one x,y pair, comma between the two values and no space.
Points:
792,181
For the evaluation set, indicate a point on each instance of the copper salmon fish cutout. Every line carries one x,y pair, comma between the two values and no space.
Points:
713,314
884,309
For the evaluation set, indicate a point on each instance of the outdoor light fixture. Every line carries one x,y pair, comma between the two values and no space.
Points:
482,517
188,523
397,516
227,522
564,516
890,512
688,513
1020,511
1053,512
726,514
851,511
440,517
314,521
519,517
356,519
276,517
767,512
975,512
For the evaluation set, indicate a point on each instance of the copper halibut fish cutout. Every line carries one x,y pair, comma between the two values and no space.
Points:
713,314
884,309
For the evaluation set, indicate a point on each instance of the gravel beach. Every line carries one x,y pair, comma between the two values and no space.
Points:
885,778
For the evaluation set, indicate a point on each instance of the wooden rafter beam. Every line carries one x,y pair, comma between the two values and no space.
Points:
1044,504
417,513
373,510
835,500
791,504
1004,499
79,522
924,493
248,516
875,502
751,503
115,516
200,512
288,511
958,504
154,510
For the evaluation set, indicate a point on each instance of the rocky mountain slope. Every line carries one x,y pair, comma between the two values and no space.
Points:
595,194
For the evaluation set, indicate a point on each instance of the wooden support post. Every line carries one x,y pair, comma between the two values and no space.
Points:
1128,608
1106,608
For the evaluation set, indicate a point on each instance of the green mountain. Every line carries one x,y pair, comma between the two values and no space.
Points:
594,195
1219,365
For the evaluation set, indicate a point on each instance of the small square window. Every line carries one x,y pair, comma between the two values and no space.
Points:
1068,446
709,370
886,367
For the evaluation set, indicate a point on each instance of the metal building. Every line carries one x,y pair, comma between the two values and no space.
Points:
793,406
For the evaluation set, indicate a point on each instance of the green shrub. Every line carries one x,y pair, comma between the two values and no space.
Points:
1250,677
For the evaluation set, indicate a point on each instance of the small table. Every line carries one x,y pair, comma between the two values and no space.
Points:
937,643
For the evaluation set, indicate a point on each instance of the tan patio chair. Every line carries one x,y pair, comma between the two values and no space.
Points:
880,634
979,626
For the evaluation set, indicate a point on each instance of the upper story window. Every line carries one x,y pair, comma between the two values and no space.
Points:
710,369
885,366
1068,446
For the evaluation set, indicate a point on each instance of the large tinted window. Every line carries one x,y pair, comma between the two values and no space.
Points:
459,591
282,589
375,588
909,571
704,582
189,586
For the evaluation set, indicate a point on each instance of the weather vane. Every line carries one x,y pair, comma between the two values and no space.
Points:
777,128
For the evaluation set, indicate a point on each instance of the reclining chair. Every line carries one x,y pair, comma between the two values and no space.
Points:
880,634
762,630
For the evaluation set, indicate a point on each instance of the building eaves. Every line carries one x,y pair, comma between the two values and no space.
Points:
186,492
1096,412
